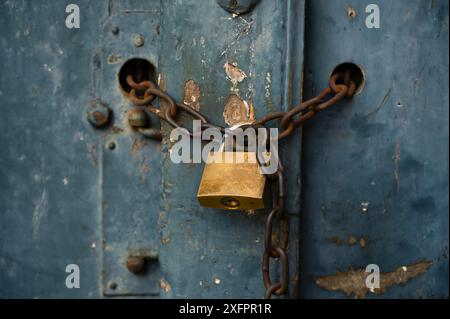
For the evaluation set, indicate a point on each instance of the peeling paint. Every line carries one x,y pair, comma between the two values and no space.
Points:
191,95
234,74
353,282
238,111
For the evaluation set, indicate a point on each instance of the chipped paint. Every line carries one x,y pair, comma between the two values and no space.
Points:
165,286
234,74
353,282
350,241
191,94
238,111
267,84
165,240
268,93
365,207
114,59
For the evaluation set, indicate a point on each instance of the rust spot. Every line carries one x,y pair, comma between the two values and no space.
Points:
92,155
116,130
350,241
191,95
114,59
165,286
351,12
165,240
235,74
238,111
353,282
100,118
362,242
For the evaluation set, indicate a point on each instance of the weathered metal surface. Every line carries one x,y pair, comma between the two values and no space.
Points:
130,174
225,260
49,185
376,170
353,282
98,114
377,167
96,197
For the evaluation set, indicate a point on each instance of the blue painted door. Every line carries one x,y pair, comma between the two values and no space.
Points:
367,182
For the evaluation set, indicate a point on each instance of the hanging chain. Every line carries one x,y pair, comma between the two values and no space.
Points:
276,243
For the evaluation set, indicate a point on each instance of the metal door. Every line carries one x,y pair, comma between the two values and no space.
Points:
372,188
94,197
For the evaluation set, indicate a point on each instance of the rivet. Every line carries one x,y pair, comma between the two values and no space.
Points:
136,264
137,118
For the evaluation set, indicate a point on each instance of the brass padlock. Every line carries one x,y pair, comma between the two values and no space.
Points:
234,181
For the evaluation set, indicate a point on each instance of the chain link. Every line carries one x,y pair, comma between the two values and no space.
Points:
276,243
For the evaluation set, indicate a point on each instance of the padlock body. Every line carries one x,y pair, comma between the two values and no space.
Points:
235,182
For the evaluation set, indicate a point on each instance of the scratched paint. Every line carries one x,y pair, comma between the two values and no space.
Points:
39,212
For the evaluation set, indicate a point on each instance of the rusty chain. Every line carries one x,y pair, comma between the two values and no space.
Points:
276,244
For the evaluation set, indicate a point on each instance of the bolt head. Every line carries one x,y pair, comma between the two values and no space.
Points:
98,114
136,264
137,118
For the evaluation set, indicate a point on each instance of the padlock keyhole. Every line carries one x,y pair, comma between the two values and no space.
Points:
230,203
